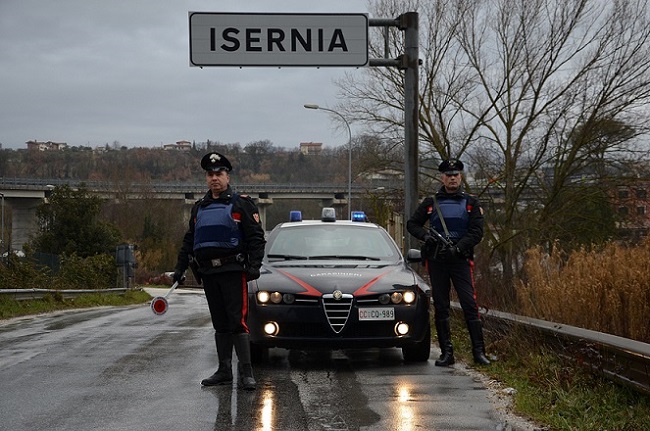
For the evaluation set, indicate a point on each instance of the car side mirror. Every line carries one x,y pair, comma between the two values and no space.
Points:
414,255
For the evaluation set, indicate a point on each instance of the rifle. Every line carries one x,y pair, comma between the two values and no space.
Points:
439,249
444,240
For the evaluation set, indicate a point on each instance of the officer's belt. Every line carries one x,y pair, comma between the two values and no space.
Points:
215,263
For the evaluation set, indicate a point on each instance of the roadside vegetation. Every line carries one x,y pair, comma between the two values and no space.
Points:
554,392
603,288
74,273
10,308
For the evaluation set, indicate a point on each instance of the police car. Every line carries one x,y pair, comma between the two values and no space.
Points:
338,284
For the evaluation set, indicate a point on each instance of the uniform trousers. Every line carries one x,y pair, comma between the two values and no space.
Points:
460,272
227,295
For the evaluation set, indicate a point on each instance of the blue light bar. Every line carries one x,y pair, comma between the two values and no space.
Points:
359,216
295,216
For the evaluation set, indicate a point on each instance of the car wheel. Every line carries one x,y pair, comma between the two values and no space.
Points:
258,353
419,352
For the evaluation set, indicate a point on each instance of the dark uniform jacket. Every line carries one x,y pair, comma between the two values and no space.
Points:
251,247
472,236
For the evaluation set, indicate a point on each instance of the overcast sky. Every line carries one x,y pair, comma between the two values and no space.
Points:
91,72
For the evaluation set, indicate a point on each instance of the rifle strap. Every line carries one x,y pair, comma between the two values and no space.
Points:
442,219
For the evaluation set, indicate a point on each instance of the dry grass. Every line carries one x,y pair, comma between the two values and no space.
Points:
606,290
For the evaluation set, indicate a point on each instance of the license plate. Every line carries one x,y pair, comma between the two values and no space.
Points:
377,313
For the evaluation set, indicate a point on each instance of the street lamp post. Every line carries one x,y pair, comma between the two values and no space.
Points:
311,106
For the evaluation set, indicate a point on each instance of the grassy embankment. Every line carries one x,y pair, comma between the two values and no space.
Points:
11,308
606,290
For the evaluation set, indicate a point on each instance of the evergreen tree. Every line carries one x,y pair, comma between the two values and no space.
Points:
69,224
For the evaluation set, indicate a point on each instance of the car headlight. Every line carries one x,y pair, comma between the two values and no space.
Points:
263,297
401,328
276,297
406,297
409,296
271,328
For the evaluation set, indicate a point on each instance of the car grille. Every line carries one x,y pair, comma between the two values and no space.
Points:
337,311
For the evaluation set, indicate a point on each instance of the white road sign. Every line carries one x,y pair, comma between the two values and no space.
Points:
273,39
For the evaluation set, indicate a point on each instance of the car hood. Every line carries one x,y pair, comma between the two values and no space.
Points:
316,280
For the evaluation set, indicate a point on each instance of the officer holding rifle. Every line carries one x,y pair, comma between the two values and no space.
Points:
455,227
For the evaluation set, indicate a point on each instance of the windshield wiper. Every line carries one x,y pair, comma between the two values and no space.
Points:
286,257
344,256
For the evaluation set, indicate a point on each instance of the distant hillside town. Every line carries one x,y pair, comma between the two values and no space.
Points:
306,148
46,146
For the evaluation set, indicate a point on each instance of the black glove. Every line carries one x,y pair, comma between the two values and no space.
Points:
178,276
430,240
252,274
454,252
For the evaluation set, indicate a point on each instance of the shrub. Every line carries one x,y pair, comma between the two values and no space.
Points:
22,273
94,272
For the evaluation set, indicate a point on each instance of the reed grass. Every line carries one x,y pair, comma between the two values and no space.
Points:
605,289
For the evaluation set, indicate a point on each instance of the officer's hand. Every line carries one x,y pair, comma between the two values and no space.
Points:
178,276
454,252
252,274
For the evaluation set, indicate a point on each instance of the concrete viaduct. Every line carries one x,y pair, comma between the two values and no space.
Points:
23,196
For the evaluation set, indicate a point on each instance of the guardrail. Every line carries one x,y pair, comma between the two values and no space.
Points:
616,358
26,294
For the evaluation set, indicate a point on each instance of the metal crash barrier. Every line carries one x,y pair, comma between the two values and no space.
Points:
616,358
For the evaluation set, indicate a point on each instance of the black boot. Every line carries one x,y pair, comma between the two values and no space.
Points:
223,376
475,328
444,340
243,349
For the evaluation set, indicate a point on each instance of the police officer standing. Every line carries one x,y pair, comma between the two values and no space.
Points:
458,218
224,246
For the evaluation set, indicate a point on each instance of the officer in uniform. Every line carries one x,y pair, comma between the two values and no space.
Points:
224,246
458,217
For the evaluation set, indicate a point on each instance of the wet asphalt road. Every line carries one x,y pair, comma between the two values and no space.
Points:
128,369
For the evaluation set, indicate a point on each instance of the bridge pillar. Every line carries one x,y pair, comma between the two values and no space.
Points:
23,221
187,212
262,205
338,205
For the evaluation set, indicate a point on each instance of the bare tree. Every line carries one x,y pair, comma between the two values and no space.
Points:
512,86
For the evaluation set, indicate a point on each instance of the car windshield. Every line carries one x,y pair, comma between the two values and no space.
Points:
331,241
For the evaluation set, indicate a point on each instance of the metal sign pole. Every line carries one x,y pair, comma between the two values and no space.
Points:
410,63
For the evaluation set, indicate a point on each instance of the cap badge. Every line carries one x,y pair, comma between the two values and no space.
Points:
214,158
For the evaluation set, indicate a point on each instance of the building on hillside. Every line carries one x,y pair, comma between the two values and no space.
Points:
179,146
310,148
46,146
